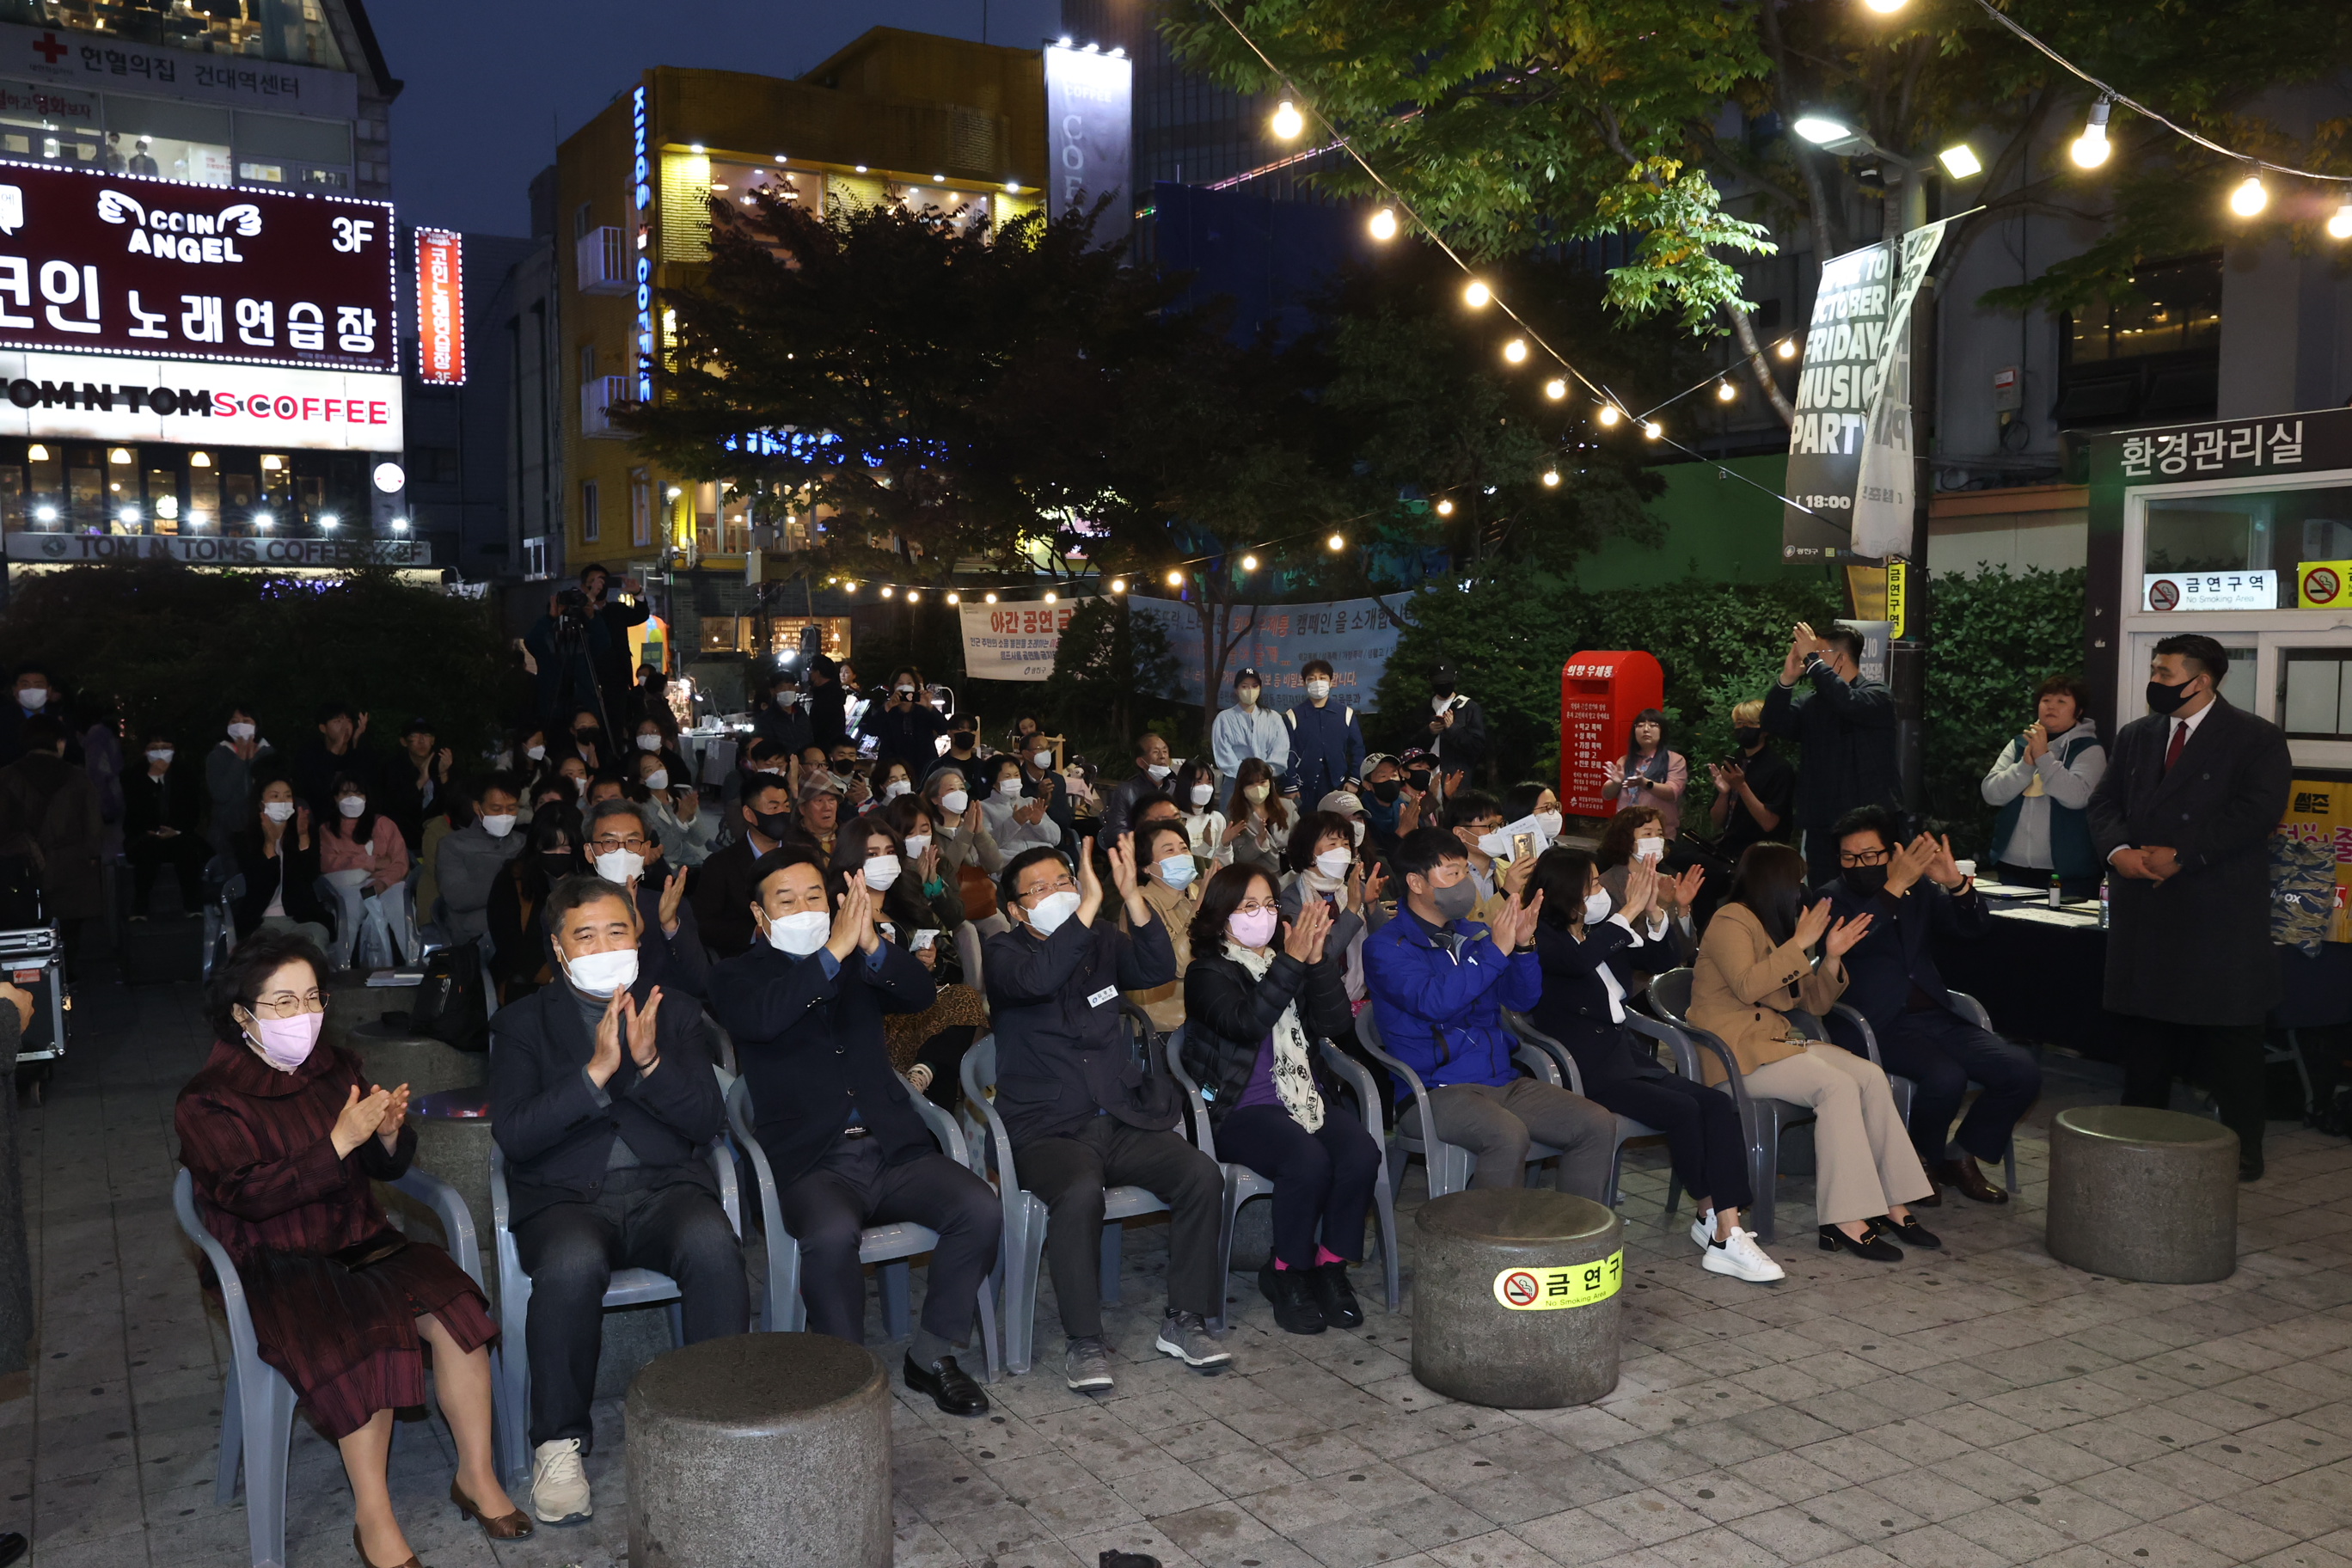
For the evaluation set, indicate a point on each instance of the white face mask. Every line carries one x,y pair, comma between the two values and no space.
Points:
161,758
1649,848
1319,689
1041,759
895,788
1051,912
1247,694
1550,822
500,824
601,974
881,872
618,866
277,810
1596,908
1202,793
916,843
1008,789
240,732
352,805
649,743
536,753
1159,771
1334,863
33,699
799,934
657,779
1496,845
1440,704
1178,871
955,801
1358,829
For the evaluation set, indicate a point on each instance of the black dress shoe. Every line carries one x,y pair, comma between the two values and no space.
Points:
1295,1306
949,1386
2248,1170
12,1546
1334,1296
1911,1231
1873,1245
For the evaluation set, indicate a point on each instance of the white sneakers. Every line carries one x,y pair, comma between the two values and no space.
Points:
1703,1228
559,1486
1740,1257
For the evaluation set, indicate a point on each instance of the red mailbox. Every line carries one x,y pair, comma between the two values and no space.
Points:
1599,694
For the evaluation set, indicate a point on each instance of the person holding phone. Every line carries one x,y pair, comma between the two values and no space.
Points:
1755,788
1648,774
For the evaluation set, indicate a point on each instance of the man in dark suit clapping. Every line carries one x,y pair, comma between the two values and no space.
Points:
2183,819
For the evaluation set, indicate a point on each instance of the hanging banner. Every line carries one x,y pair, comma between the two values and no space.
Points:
440,308
1089,121
1356,635
1851,451
1011,642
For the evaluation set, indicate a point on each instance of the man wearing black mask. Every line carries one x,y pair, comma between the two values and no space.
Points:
2183,819
1916,896
1845,724
1457,725
962,754
723,883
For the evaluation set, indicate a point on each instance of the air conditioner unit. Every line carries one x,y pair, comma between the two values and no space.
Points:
597,395
604,265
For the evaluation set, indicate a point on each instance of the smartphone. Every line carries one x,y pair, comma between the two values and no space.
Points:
1523,846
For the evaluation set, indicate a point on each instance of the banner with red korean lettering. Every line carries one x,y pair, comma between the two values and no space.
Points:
1013,642
1356,635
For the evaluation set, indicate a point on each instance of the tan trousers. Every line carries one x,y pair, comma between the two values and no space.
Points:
1862,1153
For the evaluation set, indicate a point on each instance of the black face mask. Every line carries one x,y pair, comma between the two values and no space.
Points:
1868,881
1444,690
1420,780
559,862
588,737
1387,790
1746,739
772,824
2166,699
961,742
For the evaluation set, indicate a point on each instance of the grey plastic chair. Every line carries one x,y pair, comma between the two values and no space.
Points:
1627,1128
220,922
627,1288
1449,1165
1902,1088
256,1401
1021,1255
966,937
1763,1119
886,1245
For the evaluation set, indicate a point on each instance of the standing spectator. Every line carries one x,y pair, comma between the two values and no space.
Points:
1457,725
467,860
784,721
1755,789
2042,783
1327,744
962,753
1846,726
827,703
904,726
2184,817
1248,729
229,775
1649,773
609,623
48,813
328,756
159,829
1151,767
414,782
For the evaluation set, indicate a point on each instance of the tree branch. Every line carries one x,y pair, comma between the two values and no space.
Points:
1757,365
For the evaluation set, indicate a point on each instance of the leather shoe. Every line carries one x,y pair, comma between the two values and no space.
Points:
1965,1175
2249,1170
1910,1231
949,1386
1873,1245
366,1562
507,1527
1295,1306
1329,1281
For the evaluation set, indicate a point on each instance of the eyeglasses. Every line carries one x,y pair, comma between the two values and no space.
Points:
634,841
1065,884
1867,857
288,1004
1257,906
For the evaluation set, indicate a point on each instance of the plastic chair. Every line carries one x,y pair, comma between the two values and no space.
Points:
967,940
1903,1089
220,914
1022,1254
1449,1165
1241,1183
1627,1128
887,1245
256,1401
1762,1118
627,1288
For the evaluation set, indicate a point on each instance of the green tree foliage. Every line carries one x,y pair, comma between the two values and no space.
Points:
1998,637
1107,663
174,646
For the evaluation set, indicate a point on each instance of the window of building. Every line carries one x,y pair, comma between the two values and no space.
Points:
284,149
587,363
706,517
50,124
164,499
204,492
171,141
295,31
2254,531
2316,693
276,483
728,633
534,557
15,503
581,221
591,526
641,509
2155,355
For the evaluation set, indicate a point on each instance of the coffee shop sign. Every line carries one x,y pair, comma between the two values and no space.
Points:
73,549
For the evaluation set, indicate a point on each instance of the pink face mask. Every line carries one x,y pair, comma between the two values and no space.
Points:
1253,931
286,1043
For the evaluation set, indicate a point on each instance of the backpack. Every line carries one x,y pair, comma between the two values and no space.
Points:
450,1004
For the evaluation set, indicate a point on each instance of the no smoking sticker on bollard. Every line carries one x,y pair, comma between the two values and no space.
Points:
1548,1289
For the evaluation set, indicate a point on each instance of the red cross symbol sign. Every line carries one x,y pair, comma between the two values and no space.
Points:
50,49
1521,1288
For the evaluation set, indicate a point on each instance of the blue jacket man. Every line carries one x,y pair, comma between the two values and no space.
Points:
1914,895
1438,984
1327,744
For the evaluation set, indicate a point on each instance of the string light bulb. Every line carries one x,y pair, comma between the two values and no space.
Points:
914,596
1886,8
1551,478
1118,584
2340,226
2090,149
1787,348
991,599
1445,508
1475,295
1383,224
1725,392
1287,122
2250,198
1336,542
1515,351
1556,388
1608,415
1249,563
955,598
1049,595
888,590
1175,579
1652,430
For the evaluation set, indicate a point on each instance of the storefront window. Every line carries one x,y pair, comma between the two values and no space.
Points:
2253,531
172,140
85,496
282,150
47,463
2315,694
311,495
243,494
276,482
164,499
706,517
15,505
204,493
50,125
827,635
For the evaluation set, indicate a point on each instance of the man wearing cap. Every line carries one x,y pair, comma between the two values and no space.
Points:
1327,744
1457,726
1392,810
820,813
1248,730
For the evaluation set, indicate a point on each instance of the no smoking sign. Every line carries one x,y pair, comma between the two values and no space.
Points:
1549,1290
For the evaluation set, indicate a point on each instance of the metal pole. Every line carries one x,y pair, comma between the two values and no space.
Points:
1906,659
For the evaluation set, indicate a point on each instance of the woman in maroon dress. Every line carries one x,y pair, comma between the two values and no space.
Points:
283,1138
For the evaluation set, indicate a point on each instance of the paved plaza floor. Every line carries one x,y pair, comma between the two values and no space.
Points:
1978,1406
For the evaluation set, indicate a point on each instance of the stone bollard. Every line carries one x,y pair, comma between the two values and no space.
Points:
761,1451
1516,1300
393,1056
2141,1194
353,1002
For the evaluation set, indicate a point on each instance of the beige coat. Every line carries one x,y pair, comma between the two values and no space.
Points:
1746,985
1165,1003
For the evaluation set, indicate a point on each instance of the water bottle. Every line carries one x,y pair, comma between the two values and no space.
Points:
2056,901
2103,903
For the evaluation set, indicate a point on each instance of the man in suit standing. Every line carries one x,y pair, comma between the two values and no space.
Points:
1846,726
2183,819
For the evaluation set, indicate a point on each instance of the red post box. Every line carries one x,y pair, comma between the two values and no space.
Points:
1599,694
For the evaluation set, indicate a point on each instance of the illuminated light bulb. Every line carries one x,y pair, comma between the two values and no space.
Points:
128,515
1049,597
887,591
1476,295
1886,8
261,519
1012,187
1725,392
2090,149
1551,477
1787,348
44,514
2250,198
1608,414
694,146
675,492
861,168
913,594
40,454
1961,162
1287,122
1652,430
780,158
1384,223
1175,579
1118,584
849,587
328,520
955,598
1556,388
992,598
400,525
1445,508
1336,542
1249,563
120,455
2340,226
195,460
1515,351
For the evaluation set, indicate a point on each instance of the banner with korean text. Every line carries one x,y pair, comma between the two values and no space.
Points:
1011,642
1356,635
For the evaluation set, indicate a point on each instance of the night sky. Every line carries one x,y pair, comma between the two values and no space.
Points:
493,85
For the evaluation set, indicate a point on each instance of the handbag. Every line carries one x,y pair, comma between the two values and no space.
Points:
450,1006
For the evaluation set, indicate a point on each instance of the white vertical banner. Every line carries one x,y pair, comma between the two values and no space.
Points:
1089,134
1884,493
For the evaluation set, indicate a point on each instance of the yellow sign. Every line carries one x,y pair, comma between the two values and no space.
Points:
2321,810
1548,1289
1898,593
2324,585
1867,586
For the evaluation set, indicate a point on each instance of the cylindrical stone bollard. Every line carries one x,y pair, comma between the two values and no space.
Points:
1516,1299
2141,1194
353,1002
393,1056
761,1451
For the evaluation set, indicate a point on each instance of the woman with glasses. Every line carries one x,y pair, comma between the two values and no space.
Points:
282,1137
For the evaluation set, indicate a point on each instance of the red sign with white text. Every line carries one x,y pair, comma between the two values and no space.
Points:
440,308
1600,693
100,263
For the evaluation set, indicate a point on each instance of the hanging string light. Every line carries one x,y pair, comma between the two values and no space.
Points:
1515,351
1287,122
1383,224
2090,149
2250,198
1476,295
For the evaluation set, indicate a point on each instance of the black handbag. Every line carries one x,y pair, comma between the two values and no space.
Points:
450,1004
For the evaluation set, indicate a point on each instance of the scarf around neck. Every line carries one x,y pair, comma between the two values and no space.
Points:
1294,1078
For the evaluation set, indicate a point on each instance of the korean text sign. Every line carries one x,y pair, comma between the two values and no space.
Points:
1013,642
440,307
1356,636
115,264
1599,694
